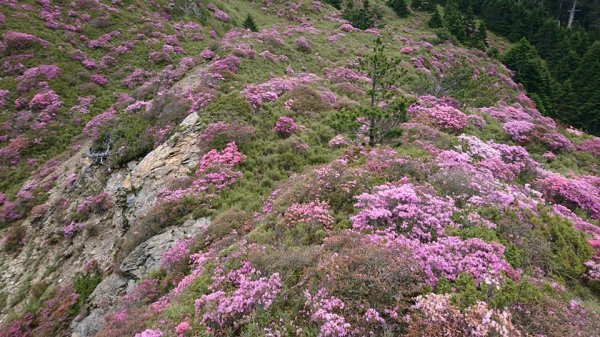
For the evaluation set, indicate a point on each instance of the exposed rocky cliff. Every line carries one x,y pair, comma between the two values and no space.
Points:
47,257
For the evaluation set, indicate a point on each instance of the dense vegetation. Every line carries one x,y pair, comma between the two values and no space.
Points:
369,169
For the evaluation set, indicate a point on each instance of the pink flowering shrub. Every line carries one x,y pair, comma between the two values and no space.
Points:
21,327
590,146
303,45
149,333
403,208
229,63
137,77
56,313
229,157
505,162
137,106
99,79
578,223
374,281
92,127
182,328
267,55
346,27
338,141
72,228
100,202
89,64
407,50
525,123
214,173
207,54
103,40
573,193
435,315
31,77
217,135
549,155
235,296
519,131
44,99
285,126
217,13
315,213
450,256
18,40
593,270
259,94
200,100
176,254
442,113
10,154
341,74
476,121
4,97
322,309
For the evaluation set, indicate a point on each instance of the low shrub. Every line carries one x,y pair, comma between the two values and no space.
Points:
168,109
553,317
303,99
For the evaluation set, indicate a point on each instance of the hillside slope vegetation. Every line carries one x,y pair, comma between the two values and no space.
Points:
265,168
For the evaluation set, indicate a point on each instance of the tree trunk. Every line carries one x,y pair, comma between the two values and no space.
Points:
572,14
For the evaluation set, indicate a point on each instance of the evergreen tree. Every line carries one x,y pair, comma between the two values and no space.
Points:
436,20
586,85
335,3
480,37
468,18
360,17
386,109
531,71
399,6
428,5
453,22
423,5
250,24
464,5
416,5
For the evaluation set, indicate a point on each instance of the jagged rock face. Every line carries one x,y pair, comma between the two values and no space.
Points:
143,259
146,256
50,258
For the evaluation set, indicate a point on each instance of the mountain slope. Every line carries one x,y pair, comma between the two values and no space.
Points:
209,188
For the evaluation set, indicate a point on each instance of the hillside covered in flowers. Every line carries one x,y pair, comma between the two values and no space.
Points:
290,168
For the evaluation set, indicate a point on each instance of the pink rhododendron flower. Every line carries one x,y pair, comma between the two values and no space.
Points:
285,126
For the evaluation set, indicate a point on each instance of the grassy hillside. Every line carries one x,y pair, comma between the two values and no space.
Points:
475,217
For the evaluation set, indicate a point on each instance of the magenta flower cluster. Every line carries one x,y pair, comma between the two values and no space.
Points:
94,204
342,74
93,126
149,333
442,113
404,209
450,256
519,131
525,123
179,252
18,40
235,295
324,310
215,172
575,192
315,213
437,312
99,79
285,126
259,94
217,13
